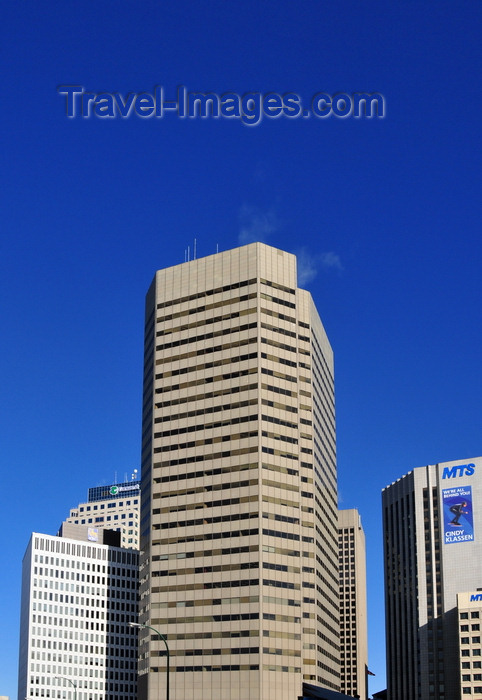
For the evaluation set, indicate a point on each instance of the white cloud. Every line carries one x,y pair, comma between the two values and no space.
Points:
309,265
256,225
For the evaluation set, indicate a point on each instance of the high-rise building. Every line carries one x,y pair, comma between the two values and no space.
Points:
353,604
433,552
469,619
115,507
239,521
79,593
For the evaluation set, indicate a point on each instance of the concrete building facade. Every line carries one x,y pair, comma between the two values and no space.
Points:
433,552
114,507
239,562
469,614
78,596
353,604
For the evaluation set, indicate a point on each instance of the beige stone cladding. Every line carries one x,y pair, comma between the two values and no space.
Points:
239,495
353,604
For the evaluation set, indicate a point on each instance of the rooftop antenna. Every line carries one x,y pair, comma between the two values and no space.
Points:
115,477
125,476
185,255
188,254
194,254
134,475
217,247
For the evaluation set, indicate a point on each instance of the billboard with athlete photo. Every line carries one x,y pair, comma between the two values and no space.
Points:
458,514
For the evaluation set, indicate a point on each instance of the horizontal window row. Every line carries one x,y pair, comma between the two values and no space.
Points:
279,375
275,329
225,391
206,293
206,536
276,314
206,411
276,285
227,469
207,365
281,518
281,584
228,651
281,652
235,600
279,421
207,553
277,436
205,350
232,617
224,634
277,358
203,337
280,345
205,307
202,458
277,300
206,585
208,488
235,500
279,453
207,380
235,420
207,441
223,667
239,566
279,390
205,322
196,522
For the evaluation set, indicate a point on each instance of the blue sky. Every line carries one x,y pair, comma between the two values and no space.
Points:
384,215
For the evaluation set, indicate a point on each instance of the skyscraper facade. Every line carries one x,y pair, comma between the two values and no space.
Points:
239,522
78,596
353,604
432,552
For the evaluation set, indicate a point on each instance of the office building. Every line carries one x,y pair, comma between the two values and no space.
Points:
353,604
239,562
433,553
469,617
115,507
79,593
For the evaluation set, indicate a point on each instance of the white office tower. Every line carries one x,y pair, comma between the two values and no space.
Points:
114,507
353,604
239,520
78,596
433,552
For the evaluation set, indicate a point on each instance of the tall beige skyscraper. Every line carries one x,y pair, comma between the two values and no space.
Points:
353,604
239,521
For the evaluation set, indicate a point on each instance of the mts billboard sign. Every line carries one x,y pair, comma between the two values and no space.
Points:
458,470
